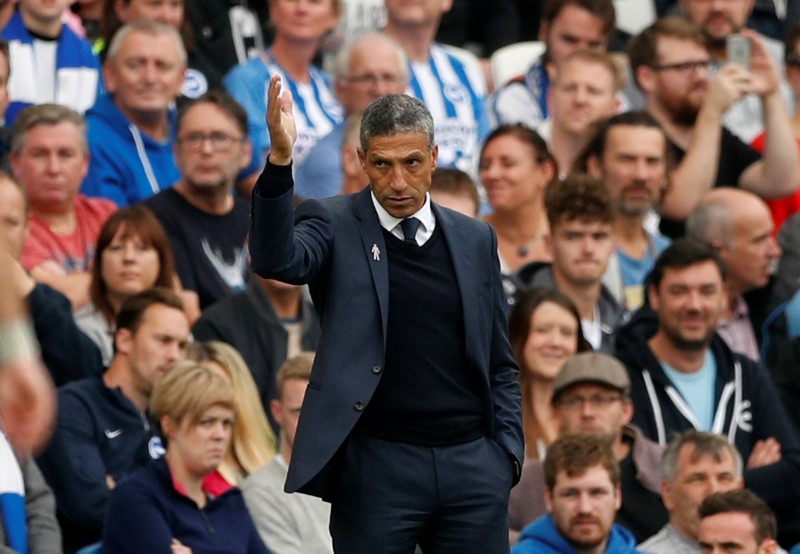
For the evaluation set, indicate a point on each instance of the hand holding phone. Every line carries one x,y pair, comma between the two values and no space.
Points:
738,50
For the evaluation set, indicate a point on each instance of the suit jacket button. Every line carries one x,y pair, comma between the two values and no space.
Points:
359,406
376,369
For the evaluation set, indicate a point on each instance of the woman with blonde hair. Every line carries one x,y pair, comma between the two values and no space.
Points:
167,506
254,442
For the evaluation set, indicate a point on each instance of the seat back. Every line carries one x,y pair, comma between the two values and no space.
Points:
513,60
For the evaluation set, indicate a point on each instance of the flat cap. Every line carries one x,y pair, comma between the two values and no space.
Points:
592,367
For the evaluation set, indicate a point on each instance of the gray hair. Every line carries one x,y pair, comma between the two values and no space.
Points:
704,444
393,114
46,114
341,65
711,221
152,28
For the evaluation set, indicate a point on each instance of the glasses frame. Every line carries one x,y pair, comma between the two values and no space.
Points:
684,67
598,401
372,79
220,142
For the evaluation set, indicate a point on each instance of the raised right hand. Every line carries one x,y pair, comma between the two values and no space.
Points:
280,122
730,84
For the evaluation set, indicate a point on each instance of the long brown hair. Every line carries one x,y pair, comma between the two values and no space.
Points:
519,327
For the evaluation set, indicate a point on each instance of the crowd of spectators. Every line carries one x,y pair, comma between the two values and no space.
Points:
644,191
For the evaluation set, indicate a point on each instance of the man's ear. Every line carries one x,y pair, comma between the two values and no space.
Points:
652,297
646,79
544,28
275,409
768,546
13,158
593,166
123,340
247,153
548,499
666,494
362,157
627,412
109,77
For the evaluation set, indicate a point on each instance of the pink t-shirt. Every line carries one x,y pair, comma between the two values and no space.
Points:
74,252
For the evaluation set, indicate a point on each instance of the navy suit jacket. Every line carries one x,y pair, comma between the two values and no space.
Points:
336,245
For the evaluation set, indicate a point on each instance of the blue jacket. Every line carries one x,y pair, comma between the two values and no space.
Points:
542,537
99,434
126,165
77,81
146,512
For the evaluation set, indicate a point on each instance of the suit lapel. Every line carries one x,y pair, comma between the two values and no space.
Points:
374,246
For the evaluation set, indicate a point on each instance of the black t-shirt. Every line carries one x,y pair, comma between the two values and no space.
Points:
228,32
210,251
734,158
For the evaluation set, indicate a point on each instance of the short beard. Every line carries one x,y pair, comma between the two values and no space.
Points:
629,210
690,345
715,44
685,114
718,44
207,189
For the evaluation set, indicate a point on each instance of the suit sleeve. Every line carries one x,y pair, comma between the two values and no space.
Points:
506,395
283,245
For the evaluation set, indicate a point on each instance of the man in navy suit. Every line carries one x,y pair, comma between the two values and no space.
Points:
411,421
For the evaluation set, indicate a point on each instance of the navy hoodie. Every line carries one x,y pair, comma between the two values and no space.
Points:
747,407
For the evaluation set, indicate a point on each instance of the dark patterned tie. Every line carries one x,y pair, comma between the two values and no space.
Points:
410,226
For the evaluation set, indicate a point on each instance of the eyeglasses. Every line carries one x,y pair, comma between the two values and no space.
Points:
373,79
595,401
684,67
220,142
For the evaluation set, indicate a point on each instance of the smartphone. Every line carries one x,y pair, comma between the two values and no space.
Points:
738,49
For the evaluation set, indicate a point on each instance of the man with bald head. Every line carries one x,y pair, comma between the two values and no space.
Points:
371,66
739,225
